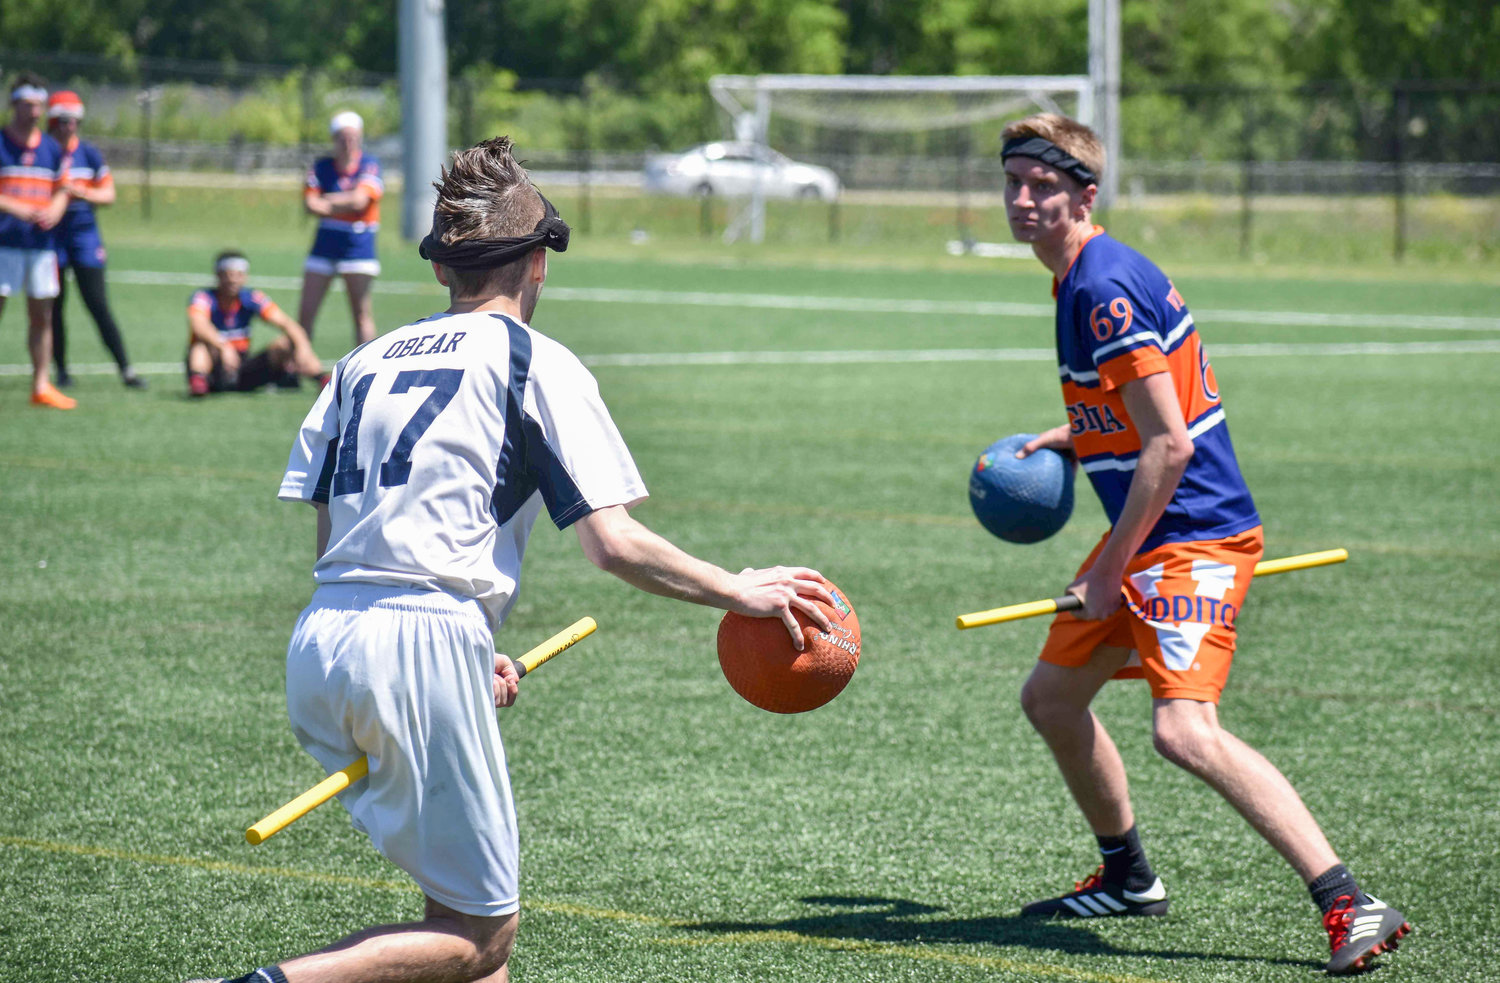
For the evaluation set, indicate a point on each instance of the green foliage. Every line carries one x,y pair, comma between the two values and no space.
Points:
1399,40
655,45
650,45
567,74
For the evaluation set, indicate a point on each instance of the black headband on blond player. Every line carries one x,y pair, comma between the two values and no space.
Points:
477,255
1049,153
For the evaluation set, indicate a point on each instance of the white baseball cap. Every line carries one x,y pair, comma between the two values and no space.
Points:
344,120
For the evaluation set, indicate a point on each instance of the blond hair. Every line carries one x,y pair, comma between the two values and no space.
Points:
1070,136
486,194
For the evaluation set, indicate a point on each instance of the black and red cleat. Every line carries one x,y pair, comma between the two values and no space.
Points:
1360,931
1093,898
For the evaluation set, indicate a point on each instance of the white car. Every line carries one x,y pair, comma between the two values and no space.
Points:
732,169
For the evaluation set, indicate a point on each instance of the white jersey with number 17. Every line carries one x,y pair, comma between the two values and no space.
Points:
436,446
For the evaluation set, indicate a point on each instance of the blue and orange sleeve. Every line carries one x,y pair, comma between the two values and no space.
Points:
1121,333
257,303
370,180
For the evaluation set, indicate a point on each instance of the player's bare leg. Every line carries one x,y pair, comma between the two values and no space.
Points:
1056,700
199,359
360,286
445,947
285,358
1187,733
314,289
1360,927
39,341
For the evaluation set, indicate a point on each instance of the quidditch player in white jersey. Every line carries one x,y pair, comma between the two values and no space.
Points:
428,458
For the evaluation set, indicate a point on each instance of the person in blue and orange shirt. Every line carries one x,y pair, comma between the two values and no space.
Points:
1161,590
79,247
219,320
33,198
344,191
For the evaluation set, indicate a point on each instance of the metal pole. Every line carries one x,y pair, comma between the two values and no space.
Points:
1402,111
308,126
585,161
762,161
965,235
1104,74
423,57
1247,177
146,97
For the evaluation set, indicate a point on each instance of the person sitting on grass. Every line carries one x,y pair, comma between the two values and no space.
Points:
218,355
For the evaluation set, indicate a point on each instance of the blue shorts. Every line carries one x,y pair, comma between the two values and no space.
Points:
343,244
80,247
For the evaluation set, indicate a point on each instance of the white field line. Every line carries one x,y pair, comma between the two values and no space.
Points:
915,355
859,305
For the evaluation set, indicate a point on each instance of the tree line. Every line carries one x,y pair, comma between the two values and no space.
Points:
646,46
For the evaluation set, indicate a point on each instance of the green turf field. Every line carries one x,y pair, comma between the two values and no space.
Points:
669,830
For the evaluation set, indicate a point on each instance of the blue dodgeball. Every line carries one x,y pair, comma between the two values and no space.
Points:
1021,501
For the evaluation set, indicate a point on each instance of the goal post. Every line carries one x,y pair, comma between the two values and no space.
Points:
864,114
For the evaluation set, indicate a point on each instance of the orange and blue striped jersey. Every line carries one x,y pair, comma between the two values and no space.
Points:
324,177
233,321
1119,319
85,166
33,172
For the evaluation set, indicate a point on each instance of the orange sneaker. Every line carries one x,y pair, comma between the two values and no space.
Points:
49,396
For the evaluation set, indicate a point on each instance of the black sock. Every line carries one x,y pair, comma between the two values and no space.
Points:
1125,862
266,974
1332,884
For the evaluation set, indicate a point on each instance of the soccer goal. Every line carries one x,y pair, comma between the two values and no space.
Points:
886,134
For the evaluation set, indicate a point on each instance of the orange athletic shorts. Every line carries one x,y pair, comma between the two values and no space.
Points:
1181,600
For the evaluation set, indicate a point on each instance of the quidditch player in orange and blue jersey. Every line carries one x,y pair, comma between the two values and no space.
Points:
33,198
77,241
344,191
1162,589
219,321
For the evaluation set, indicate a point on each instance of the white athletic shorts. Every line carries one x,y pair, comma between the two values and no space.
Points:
32,272
404,676
329,267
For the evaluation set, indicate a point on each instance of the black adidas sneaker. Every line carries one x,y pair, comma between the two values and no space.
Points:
1360,931
1092,898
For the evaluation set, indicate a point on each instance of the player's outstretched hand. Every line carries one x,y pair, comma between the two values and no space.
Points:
507,682
1059,439
775,592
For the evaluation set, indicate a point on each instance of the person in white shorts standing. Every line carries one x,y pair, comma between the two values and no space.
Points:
33,199
428,458
344,191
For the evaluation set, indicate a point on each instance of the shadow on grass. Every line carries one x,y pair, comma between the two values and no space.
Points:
890,920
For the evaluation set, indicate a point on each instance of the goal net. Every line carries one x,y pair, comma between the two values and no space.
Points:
887,137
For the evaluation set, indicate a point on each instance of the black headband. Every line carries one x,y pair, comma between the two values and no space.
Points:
1049,153
476,255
